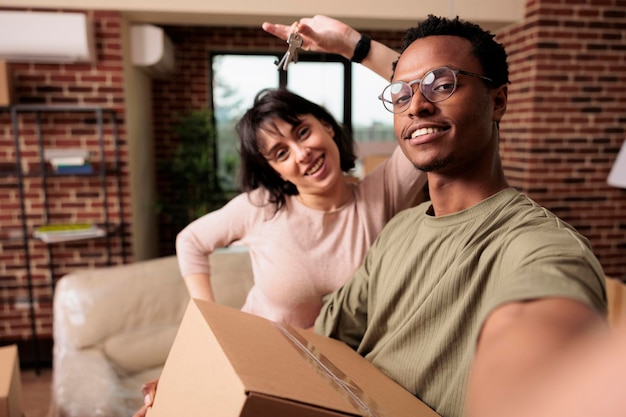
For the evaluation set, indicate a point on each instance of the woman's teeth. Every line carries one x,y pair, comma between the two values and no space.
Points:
315,167
424,131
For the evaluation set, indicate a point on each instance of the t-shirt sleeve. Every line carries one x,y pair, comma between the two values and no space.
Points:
550,265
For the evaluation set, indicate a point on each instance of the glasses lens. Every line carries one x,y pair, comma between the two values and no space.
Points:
397,96
438,84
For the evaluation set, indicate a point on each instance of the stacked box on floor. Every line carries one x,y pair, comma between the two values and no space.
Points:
10,382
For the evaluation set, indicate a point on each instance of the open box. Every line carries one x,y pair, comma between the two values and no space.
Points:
228,363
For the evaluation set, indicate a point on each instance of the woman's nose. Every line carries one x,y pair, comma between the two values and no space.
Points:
302,153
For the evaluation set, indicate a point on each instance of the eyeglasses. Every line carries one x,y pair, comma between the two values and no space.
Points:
436,85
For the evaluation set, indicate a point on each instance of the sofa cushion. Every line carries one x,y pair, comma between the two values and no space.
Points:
99,303
139,350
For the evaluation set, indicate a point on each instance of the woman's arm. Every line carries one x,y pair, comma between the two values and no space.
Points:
217,229
199,287
324,34
194,244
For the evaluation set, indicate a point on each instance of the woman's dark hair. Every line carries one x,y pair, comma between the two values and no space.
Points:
491,54
281,104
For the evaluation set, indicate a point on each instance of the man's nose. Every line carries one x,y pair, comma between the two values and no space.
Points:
419,103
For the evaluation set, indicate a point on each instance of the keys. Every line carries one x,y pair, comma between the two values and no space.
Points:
295,43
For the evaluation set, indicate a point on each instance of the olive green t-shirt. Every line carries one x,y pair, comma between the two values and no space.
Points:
416,305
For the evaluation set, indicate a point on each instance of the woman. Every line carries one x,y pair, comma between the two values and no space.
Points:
307,227
306,224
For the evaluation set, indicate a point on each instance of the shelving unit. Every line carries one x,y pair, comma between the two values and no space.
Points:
31,179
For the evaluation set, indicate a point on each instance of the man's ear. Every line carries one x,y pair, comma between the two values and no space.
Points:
500,97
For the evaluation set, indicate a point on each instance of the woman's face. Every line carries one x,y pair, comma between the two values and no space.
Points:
305,155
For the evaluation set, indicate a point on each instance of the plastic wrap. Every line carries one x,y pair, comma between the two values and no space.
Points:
112,331
113,328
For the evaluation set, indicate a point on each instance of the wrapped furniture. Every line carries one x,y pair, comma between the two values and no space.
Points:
113,328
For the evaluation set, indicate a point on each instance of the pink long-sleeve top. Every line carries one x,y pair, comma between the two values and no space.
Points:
300,254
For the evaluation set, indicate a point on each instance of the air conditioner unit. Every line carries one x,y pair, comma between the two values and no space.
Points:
152,50
46,37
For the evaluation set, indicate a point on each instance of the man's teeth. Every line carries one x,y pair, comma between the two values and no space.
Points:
315,167
424,131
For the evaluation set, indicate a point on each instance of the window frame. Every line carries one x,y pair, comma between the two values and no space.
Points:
283,75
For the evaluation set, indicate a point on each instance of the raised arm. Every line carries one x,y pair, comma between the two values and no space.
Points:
585,385
324,34
524,353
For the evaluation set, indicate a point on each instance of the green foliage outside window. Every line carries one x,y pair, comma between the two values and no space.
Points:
193,171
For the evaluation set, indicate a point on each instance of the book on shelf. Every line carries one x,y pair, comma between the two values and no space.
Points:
63,232
85,168
67,160
58,153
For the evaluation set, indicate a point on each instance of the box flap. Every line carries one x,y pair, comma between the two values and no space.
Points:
265,360
259,405
190,373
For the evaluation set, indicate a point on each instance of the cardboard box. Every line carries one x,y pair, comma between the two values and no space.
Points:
10,382
6,84
231,364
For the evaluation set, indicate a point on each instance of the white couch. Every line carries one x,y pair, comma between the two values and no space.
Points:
113,328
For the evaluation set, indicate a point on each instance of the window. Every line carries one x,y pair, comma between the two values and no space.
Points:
348,91
236,81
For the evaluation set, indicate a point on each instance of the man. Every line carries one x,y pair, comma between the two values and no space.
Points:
479,300
475,294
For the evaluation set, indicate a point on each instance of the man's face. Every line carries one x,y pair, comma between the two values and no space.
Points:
450,136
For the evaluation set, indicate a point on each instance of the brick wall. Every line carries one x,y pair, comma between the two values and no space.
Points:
70,199
566,114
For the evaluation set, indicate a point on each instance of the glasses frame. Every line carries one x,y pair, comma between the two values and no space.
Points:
418,81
